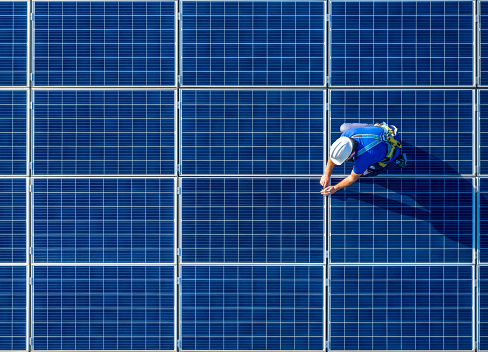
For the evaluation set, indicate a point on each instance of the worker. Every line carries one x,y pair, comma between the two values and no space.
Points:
372,149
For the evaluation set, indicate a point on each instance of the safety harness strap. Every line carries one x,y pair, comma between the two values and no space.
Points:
388,137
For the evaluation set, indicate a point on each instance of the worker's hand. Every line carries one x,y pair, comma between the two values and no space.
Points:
325,181
327,191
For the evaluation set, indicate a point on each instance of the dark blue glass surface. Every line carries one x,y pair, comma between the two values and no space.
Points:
483,131
252,220
252,132
261,43
103,308
408,43
252,308
435,126
483,308
401,308
104,43
13,215
13,128
403,221
13,309
483,220
13,43
104,220
104,132
483,42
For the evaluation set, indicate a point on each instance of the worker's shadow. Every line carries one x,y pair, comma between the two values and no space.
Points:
422,207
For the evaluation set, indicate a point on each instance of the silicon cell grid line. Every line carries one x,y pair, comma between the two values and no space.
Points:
103,308
258,43
243,220
104,220
252,308
401,308
104,43
258,132
13,132
403,220
402,43
436,127
13,220
90,132
13,43
13,311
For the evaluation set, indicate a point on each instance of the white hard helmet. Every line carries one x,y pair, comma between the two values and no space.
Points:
341,150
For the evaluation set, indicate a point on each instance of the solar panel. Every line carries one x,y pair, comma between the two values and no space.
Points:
483,220
13,214
13,128
483,308
103,308
252,308
483,132
435,126
408,43
403,221
243,220
13,43
13,307
104,220
258,132
401,308
483,42
104,132
104,43
260,43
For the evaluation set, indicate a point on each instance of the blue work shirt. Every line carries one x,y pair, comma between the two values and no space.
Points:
374,155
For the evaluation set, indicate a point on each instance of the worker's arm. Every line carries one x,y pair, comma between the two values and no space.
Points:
325,180
349,180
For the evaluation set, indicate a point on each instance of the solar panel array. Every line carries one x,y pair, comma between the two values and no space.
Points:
13,43
105,43
403,220
252,132
402,43
436,127
259,43
160,164
104,132
401,308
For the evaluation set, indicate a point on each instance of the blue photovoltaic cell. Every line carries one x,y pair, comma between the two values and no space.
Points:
483,42
483,222
435,126
401,308
483,131
244,220
253,43
13,43
104,220
483,308
402,43
13,220
252,132
252,308
13,128
403,221
104,132
103,308
104,43
13,307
